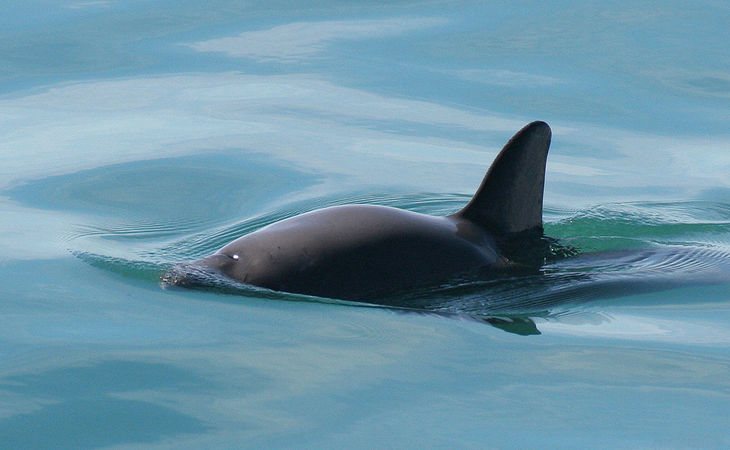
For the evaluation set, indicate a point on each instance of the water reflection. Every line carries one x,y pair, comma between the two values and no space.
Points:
300,41
210,188
85,407
349,136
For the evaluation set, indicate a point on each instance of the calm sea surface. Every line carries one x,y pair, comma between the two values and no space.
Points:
137,134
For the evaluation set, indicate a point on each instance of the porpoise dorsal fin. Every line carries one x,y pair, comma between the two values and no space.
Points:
509,200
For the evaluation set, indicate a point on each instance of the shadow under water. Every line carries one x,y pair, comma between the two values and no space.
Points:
622,250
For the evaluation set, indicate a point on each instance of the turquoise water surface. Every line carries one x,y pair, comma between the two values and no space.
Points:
138,134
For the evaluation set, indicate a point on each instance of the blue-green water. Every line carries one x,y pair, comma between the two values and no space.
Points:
137,134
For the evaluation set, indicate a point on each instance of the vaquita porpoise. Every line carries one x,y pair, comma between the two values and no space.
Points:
363,252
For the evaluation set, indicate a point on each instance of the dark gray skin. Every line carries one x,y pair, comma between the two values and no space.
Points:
356,252
364,252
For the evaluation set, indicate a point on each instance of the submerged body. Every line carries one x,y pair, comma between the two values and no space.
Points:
366,252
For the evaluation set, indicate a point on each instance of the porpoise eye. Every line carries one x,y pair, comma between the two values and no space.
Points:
235,257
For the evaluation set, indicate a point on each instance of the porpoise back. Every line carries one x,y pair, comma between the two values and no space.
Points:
367,252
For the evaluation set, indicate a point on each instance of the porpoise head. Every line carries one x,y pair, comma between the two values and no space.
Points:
214,270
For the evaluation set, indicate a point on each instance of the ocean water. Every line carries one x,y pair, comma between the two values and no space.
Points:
137,134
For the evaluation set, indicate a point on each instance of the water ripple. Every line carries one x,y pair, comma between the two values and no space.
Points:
625,248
